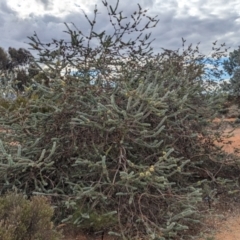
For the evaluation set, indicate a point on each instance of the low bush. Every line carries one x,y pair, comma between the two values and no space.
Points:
26,219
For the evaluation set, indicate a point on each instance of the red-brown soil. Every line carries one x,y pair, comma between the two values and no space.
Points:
228,227
234,139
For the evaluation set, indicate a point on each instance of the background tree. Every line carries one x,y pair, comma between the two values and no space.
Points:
4,59
232,66
19,57
19,62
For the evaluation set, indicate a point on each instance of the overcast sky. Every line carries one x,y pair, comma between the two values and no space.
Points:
195,20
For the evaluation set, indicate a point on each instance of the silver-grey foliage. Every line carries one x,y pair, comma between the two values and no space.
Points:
131,145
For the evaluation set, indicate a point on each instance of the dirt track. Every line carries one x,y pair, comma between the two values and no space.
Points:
229,229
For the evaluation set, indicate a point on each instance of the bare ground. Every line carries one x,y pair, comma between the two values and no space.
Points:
226,225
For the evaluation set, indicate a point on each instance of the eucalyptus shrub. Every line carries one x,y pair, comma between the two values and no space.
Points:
128,146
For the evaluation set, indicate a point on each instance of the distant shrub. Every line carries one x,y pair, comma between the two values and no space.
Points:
26,219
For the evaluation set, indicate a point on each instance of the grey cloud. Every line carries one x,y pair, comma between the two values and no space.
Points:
47,18
207,29
2,21
46,3
168,33
5,9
